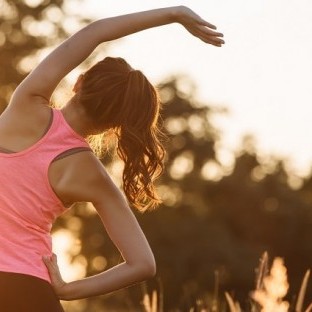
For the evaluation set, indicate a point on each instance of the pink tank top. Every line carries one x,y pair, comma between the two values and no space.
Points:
28,204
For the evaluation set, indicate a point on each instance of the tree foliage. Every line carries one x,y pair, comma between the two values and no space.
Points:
27,27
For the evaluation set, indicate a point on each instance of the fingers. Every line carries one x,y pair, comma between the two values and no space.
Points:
47,262
53,269
51,263
212,37
207,35
207,24
210,41
50,260
200,28
54,257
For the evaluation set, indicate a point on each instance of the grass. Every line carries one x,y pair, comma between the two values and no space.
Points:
271,287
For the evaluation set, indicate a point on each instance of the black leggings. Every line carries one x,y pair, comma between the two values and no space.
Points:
25,293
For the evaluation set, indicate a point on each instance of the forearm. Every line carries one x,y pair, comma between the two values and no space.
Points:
118,277
46,76
73,51
80,45
120,26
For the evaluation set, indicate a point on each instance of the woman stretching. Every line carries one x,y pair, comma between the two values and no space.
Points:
46,163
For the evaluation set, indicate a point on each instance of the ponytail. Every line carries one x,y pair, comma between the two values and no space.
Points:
118,98
138,145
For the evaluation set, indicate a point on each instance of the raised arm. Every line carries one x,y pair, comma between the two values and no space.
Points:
46,76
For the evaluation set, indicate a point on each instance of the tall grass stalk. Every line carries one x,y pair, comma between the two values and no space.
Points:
262,270
302,292
150,304
309,308
215,299
234,306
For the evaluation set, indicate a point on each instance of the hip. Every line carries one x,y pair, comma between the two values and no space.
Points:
21,292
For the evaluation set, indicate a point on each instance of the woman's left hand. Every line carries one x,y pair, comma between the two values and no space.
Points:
57,281
198,27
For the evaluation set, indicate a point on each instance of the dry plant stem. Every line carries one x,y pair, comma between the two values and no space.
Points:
214,307
150,302
160,296
147,303
302,292
231,302
237,306
309,308
146,300
154,301
262,270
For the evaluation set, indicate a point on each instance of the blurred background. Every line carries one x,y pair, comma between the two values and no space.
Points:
238,170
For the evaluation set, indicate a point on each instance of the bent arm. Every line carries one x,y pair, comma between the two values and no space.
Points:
138,265
46,76
121,225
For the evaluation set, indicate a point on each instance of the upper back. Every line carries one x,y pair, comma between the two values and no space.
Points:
23,125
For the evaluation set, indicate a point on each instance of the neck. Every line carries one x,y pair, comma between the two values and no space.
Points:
76,117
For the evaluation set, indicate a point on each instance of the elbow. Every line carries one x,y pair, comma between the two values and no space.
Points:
150,268
146,269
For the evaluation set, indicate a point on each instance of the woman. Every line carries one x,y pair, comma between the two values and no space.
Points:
46,164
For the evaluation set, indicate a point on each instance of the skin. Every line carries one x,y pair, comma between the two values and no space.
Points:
27,116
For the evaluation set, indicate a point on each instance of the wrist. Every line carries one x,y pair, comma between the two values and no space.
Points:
65,292
177,13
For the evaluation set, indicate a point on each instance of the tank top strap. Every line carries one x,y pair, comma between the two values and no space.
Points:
60,138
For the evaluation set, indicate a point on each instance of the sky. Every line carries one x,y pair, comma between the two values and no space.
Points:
262,75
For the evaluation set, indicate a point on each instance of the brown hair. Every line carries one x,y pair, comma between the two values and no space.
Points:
117,97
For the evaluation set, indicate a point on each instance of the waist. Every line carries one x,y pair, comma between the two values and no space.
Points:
39,272
24,255
15,278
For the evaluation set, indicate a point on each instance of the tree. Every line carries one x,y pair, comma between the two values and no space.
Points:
27,27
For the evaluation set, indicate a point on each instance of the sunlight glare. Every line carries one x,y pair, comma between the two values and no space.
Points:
54,14
74,224
33,3
226,158
196,126
99,263
175,125
257,174
212,171
170,195
26,64
64,246
182,165
37,28
275,289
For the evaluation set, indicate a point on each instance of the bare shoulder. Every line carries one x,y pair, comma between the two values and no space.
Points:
21,125
81,177
34,110
22,95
